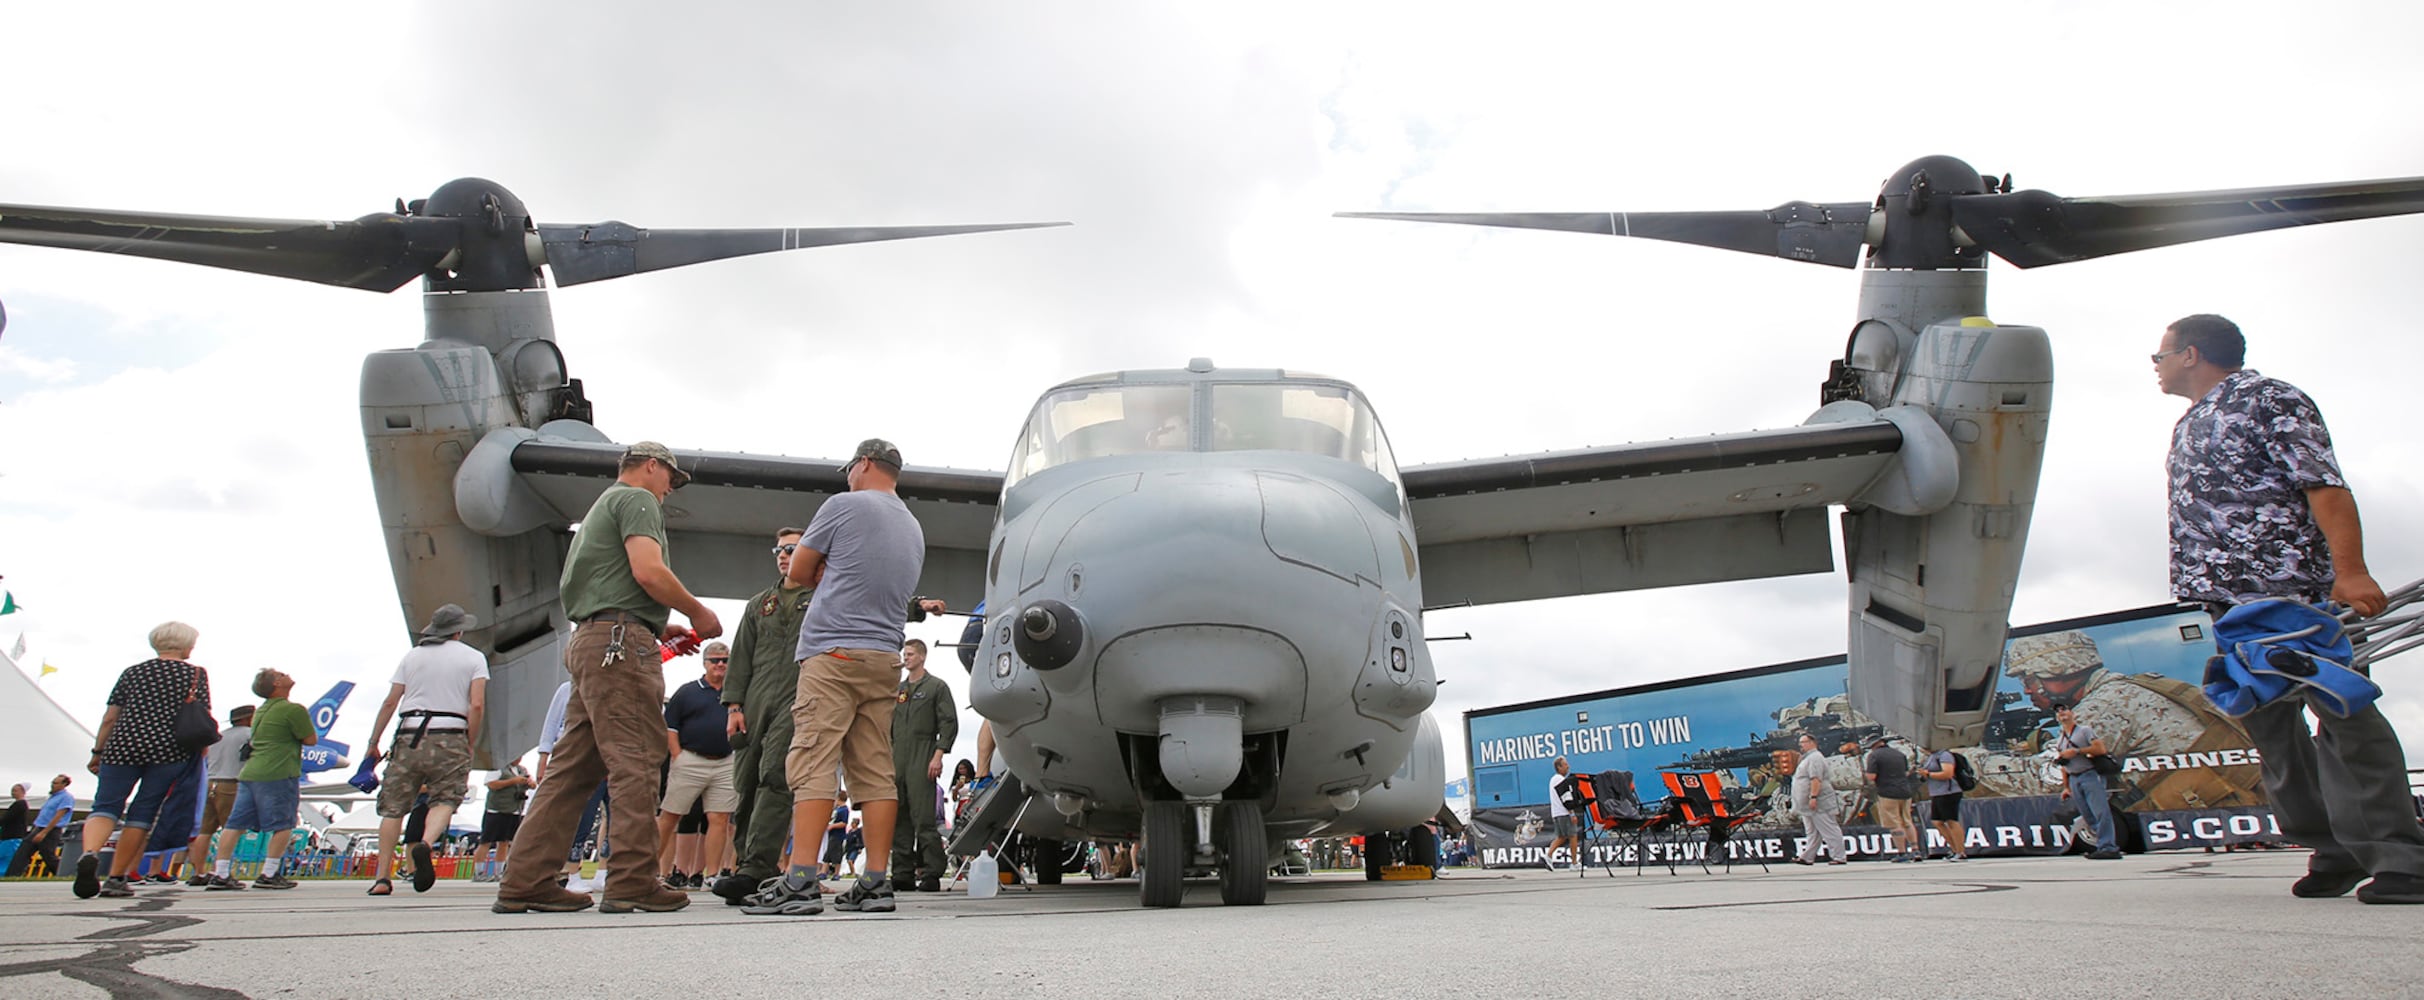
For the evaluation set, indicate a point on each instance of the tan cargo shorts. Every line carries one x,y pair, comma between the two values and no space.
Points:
843,721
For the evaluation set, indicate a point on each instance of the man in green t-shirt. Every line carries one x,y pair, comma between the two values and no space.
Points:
619,592
268,789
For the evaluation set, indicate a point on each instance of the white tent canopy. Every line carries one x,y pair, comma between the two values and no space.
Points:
42,739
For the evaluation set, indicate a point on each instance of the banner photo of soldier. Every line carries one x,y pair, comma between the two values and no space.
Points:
2190,776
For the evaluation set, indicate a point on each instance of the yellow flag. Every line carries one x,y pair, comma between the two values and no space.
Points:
47,669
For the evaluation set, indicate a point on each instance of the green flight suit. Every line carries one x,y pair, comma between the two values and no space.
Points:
924,720
764,680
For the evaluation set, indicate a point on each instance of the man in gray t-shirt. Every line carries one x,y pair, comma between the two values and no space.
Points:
863,553
2079,746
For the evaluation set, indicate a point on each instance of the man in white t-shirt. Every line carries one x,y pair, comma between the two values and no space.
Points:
1561,820
436,696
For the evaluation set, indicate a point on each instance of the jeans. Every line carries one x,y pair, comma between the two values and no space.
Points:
2087,791
148,783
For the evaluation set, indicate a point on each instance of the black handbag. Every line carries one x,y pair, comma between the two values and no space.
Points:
2105,765
196,731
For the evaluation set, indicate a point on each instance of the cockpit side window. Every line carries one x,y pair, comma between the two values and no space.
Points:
1073,425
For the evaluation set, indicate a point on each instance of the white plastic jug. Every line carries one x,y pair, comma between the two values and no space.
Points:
984,877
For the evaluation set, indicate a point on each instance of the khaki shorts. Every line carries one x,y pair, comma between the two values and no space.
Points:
843,720
1891,812
442,761
214,810
693,777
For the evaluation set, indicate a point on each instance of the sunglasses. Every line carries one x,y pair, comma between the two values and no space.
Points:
2158,356
719,659
786,548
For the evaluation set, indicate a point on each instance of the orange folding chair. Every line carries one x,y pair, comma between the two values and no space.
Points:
1707,807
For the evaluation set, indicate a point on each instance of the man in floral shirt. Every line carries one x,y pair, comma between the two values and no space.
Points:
2258,510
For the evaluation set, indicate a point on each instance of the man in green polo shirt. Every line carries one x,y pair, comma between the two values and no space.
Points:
619,592
268,789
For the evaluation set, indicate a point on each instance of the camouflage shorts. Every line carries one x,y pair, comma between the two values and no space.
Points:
442,762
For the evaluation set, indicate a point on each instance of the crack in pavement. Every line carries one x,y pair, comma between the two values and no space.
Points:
111,964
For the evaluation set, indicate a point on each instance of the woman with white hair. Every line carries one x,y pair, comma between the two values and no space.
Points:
137,755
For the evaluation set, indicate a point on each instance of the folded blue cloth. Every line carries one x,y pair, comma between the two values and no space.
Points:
2276,647
366,777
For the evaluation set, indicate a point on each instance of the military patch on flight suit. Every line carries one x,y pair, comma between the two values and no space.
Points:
767,607
901,696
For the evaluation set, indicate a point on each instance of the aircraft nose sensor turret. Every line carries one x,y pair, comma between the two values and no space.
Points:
1049,635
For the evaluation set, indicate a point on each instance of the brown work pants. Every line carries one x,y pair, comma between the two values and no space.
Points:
614,728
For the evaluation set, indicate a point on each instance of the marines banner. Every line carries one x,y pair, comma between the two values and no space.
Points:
2189,774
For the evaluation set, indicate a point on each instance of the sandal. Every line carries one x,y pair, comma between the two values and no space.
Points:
382,887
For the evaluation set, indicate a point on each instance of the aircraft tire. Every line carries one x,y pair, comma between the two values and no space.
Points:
1245,866
1422,847
1377,848
1048,857
1168,843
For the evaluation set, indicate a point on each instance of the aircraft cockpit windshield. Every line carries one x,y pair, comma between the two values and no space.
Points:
1302,417
1100,421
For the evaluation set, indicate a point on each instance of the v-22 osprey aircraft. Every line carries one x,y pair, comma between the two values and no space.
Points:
1206,585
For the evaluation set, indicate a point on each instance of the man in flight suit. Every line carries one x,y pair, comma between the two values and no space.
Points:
759,686
925,722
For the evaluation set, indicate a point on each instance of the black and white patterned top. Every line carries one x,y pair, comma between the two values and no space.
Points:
2242,458
147,697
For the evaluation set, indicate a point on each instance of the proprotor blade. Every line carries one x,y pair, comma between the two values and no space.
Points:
2033,228
596,252
1798,230
375,252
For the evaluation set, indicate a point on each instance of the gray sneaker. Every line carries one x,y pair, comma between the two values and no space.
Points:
115,887
865,897
778,899
220,883
271,882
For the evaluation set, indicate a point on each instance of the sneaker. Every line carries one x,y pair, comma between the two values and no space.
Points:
778,899
2393,887
116,887
201,880
424,874
676,881
270,882
866,897
2106,854
663,900
698,881
547,901
88,876
162,878
2325,884
930,883
1958,857
220,883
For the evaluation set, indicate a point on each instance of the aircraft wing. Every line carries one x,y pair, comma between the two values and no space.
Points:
720,525
1652,514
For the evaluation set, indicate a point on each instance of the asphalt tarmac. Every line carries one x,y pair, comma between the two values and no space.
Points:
2161,925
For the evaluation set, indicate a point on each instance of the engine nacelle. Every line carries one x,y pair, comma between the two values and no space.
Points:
1931,595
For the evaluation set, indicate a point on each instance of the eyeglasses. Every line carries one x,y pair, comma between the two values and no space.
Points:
2158,356
719,659
786,548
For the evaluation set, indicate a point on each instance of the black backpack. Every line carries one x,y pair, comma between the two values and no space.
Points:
1964,774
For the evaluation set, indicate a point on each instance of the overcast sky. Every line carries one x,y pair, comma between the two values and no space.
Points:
178,442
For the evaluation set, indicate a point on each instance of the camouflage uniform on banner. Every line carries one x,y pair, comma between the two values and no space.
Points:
2146,715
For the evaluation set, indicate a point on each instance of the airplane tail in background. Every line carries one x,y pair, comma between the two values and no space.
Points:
327,755
324,711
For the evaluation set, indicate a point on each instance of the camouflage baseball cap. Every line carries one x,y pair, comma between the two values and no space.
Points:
877,449
2054,654
651,449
